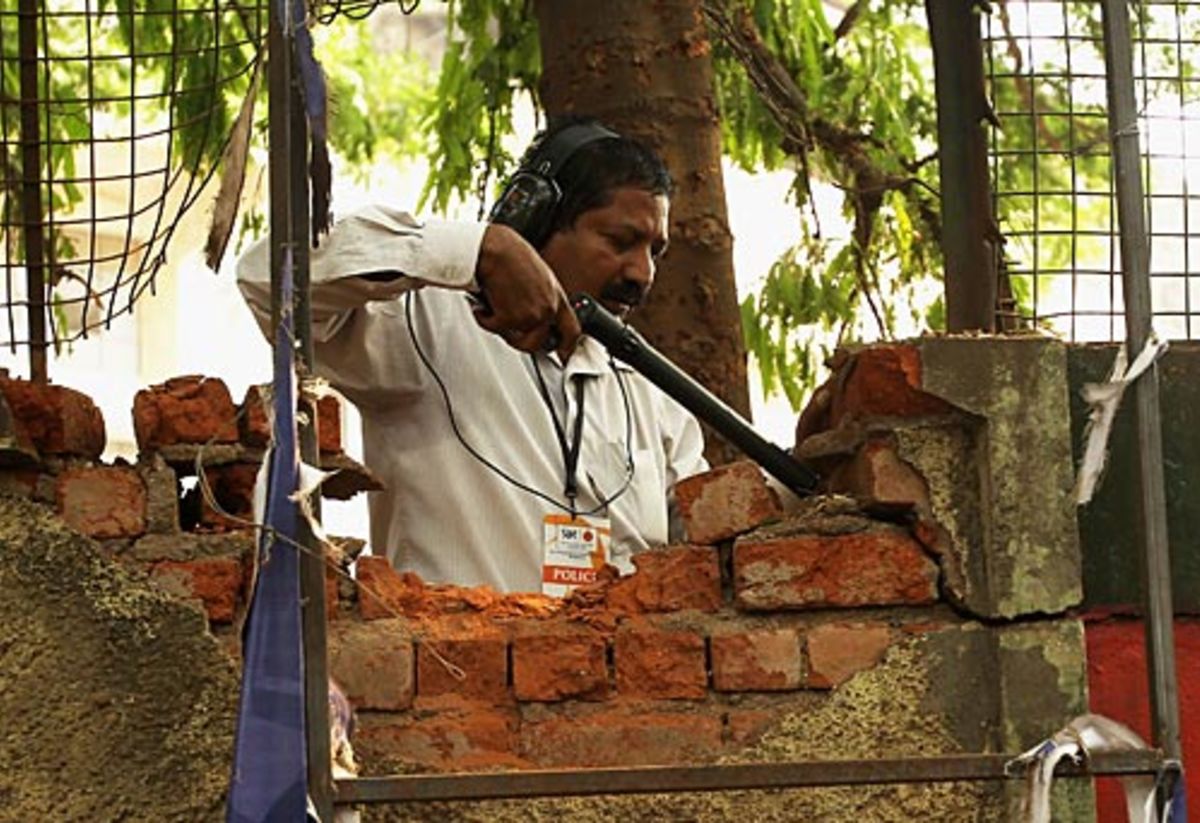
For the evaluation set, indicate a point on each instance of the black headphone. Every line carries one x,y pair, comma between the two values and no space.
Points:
532,195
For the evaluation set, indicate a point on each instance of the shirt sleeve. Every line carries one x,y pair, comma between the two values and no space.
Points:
376,240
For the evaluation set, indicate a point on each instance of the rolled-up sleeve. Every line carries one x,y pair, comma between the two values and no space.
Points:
377,240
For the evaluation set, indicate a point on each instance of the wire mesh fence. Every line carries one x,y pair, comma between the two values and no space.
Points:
112,118
1052,174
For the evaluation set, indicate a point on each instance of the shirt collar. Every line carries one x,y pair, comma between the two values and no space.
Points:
590,358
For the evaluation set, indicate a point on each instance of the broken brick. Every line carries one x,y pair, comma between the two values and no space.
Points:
103,501
669,579
725,502
757,660
216,581
55,420
836,652
190,409
879,567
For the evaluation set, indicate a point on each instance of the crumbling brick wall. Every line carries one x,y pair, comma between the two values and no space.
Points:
875,622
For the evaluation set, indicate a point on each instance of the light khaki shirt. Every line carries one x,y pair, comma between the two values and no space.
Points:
446,515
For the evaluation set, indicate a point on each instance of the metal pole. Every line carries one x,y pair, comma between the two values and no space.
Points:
289,231
967,222
726,777
1135,264
31,191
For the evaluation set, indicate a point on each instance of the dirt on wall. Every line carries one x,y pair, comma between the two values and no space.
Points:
117,703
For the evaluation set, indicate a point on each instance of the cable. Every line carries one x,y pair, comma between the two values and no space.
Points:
508,478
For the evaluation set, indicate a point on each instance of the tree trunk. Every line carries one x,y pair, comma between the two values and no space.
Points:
646,70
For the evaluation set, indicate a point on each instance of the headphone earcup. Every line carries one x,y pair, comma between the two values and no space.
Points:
527,206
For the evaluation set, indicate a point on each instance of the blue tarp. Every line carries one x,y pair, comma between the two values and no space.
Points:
269,771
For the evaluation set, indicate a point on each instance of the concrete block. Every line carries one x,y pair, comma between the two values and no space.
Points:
162,495
1017,389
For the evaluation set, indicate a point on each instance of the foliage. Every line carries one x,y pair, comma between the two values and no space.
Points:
377,102
148,67
492,55
869,111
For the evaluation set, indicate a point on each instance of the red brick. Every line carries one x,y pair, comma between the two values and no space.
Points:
190,409
760,660
877,473
382,591
458,739
54,419
254,432
560,665
232,485
329,423
660,663
869,568
472,666
621,737
668,580
216,581
374,663
103,501
883,380
253,429
743,727
837,652
725,502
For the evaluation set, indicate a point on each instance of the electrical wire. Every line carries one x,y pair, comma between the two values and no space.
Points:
506,476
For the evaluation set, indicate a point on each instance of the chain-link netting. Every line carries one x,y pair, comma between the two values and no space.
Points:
1052,171
112,118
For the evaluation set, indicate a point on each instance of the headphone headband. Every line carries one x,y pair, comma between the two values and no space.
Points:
530,199
548,160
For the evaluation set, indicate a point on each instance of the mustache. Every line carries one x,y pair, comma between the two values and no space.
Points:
626,291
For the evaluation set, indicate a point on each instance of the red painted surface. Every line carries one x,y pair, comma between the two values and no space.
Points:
1119,688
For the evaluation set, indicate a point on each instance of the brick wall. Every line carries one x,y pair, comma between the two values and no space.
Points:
879,611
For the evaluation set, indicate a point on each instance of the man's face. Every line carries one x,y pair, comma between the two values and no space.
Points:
610,252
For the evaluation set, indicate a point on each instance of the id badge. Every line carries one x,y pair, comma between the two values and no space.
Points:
575,549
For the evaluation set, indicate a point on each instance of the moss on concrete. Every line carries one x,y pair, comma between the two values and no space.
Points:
1019,387
117,702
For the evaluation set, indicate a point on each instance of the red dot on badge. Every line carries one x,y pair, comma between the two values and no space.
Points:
587,536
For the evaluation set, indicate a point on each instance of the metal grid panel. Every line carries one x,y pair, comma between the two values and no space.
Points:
1052,174
112,118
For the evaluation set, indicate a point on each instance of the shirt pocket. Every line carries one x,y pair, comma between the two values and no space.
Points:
644,503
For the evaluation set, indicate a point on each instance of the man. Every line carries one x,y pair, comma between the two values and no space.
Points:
504,464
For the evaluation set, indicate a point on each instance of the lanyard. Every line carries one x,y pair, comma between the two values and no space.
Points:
571,448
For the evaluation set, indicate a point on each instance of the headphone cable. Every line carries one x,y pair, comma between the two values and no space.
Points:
508,478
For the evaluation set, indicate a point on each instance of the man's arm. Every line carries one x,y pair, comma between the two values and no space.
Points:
379,253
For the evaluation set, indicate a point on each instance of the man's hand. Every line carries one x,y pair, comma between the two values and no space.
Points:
525,303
